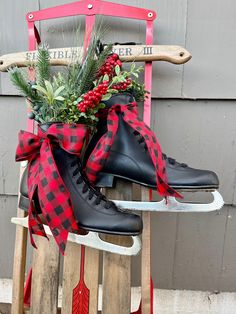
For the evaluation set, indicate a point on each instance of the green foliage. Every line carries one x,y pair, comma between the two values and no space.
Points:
137,89
56,97
43,65
19,81
49,94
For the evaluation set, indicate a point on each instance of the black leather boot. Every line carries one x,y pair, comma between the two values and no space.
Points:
93,212
129,159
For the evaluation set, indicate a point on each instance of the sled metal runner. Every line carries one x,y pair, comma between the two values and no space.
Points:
92,239
172,205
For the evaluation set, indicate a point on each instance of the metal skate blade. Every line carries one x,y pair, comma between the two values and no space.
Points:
92,239
172,205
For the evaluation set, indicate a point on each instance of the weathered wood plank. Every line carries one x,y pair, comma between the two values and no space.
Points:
19,264
71,276
45,277
117,268
91,277
146,256
71,271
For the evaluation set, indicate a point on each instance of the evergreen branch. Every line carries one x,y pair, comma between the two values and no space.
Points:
19,81
43,65
88,76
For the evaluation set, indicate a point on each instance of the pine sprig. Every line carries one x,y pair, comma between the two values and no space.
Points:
43,65
72,81
20,82
91,65
88,76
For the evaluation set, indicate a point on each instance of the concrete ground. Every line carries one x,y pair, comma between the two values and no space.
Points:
165,301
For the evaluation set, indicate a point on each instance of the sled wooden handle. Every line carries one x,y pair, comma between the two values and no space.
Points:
127,53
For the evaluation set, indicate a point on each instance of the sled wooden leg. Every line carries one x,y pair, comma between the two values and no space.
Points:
45,277
117,268
19,263
146,257
71,276
19,267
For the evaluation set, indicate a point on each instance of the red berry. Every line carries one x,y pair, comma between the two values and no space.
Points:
115,56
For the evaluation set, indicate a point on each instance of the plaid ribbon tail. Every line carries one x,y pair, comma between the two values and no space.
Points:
101,151
34,221
35,225
55,199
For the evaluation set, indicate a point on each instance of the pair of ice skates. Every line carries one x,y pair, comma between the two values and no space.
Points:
128,159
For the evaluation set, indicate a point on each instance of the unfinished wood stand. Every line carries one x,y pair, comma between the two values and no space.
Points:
116,274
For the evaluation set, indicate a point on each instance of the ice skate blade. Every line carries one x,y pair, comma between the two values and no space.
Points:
92,240
172,205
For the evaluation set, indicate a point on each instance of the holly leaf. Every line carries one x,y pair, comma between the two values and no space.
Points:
105,78
117,70
112,91
106,97
135,74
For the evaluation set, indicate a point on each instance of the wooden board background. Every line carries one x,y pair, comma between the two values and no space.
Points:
193,115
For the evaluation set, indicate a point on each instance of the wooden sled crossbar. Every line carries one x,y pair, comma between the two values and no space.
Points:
127,53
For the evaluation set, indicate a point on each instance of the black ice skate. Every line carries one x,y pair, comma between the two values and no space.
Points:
129,160
92,210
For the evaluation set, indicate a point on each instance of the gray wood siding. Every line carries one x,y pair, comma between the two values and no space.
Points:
190,251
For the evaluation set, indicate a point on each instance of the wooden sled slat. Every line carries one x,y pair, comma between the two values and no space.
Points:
19,263
146,256
117,268
71,276
45,277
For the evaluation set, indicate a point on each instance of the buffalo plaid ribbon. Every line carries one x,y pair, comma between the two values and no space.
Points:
101,152
44,178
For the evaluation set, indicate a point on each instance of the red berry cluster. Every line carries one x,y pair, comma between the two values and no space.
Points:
122,86
109,66
93,97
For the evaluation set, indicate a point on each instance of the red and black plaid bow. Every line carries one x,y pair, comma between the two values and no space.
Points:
101,152
44,177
